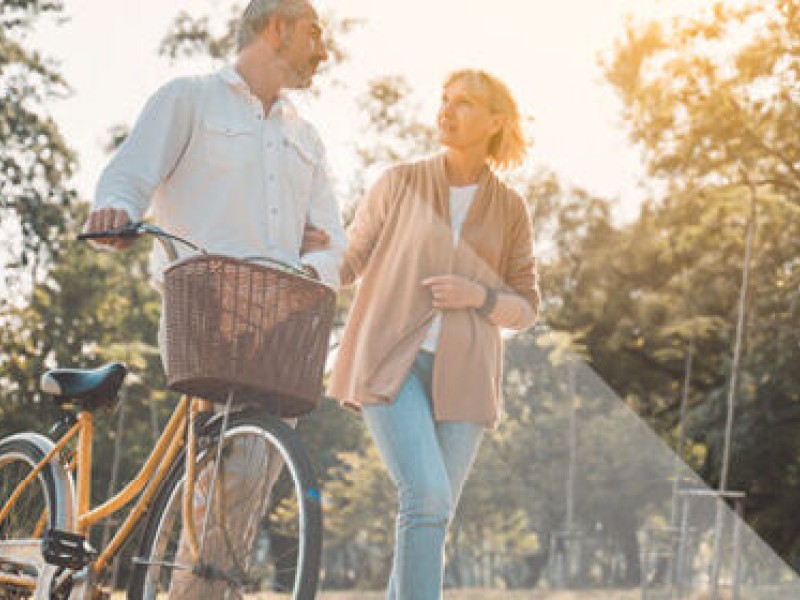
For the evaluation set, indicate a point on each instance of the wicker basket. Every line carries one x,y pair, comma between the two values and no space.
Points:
234,325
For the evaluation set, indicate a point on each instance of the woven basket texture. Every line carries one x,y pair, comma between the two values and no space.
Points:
259,331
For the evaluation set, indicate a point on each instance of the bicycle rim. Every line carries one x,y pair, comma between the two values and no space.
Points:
32,513
257,544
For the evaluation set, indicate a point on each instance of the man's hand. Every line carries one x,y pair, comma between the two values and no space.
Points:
454,291
105,219
314,239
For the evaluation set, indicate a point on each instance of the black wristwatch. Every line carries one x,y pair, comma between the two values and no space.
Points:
488,303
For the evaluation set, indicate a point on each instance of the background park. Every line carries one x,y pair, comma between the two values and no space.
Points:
671,282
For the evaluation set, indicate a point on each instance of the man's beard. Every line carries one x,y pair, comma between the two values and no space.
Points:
298,79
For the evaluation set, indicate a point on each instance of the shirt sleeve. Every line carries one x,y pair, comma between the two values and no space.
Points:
324,214
151,151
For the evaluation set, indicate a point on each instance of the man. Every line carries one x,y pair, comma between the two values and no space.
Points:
225,161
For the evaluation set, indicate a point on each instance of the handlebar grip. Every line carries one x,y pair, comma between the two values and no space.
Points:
131,230
137,228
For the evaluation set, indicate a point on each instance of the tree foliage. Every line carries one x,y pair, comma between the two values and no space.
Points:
712,101
35,161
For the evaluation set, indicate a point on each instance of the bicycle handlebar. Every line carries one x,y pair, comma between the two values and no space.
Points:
138,228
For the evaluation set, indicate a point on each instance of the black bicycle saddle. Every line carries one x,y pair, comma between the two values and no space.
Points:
88,388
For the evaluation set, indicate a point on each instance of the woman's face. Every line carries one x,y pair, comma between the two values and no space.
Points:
465,122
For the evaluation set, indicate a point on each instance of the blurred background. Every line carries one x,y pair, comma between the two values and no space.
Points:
650,445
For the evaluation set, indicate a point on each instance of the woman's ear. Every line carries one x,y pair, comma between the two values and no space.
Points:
498,120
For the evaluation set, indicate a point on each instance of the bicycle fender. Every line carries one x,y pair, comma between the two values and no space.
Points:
65,486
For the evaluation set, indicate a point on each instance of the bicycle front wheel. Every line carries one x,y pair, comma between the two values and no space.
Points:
260,530
31,515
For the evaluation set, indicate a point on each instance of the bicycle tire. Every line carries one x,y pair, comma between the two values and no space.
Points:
152,577
18,457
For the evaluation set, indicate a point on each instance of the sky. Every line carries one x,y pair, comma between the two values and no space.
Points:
546,50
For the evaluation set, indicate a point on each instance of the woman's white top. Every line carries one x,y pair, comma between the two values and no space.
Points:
460,200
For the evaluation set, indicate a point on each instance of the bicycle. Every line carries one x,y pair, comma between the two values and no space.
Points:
211,530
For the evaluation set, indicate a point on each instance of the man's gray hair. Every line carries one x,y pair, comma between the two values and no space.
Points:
258,13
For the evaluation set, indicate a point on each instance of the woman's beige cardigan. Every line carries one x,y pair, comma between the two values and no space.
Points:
401,234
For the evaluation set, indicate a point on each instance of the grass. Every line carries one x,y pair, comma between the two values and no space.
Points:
475,594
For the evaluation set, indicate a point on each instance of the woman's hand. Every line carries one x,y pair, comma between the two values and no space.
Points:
314,239
454,291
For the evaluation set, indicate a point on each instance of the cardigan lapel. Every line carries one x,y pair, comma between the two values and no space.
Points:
442,196
441,190
477,211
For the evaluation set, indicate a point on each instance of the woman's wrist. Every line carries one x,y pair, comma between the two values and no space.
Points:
479,296
489,302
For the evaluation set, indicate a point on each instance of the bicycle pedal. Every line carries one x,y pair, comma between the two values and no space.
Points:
67,550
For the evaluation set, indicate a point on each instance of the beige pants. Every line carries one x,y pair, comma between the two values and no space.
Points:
248,472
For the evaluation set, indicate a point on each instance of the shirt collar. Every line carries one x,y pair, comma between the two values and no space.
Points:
283,106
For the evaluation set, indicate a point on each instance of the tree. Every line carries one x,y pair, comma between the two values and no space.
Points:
35,162
712,102
35,203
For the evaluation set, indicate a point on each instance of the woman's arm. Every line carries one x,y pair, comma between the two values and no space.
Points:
517,305
501,308
364,231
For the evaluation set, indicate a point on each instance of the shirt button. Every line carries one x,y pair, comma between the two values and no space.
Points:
269,144
273,210
271,177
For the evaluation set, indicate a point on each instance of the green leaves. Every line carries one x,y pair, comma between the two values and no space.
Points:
712,99
35,162
709,96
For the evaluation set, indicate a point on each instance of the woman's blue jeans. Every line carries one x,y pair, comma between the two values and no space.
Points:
428,462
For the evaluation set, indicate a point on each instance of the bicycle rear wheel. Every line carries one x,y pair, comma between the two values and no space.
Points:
264,531
32,514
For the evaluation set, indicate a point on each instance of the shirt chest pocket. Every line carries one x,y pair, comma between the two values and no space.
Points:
229,144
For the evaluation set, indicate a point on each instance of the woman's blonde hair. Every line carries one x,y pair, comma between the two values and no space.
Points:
507,147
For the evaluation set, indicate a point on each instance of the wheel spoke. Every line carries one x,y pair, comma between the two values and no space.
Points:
252,546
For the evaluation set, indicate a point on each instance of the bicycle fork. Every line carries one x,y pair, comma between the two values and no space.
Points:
196,548
213,502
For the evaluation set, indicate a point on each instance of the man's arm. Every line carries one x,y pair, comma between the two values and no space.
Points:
148,156
103,219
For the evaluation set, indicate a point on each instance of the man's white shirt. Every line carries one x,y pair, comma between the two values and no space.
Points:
215,169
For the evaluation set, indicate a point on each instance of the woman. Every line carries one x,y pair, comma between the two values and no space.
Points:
444,255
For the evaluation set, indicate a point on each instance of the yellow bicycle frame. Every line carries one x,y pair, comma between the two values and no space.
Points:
149,478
